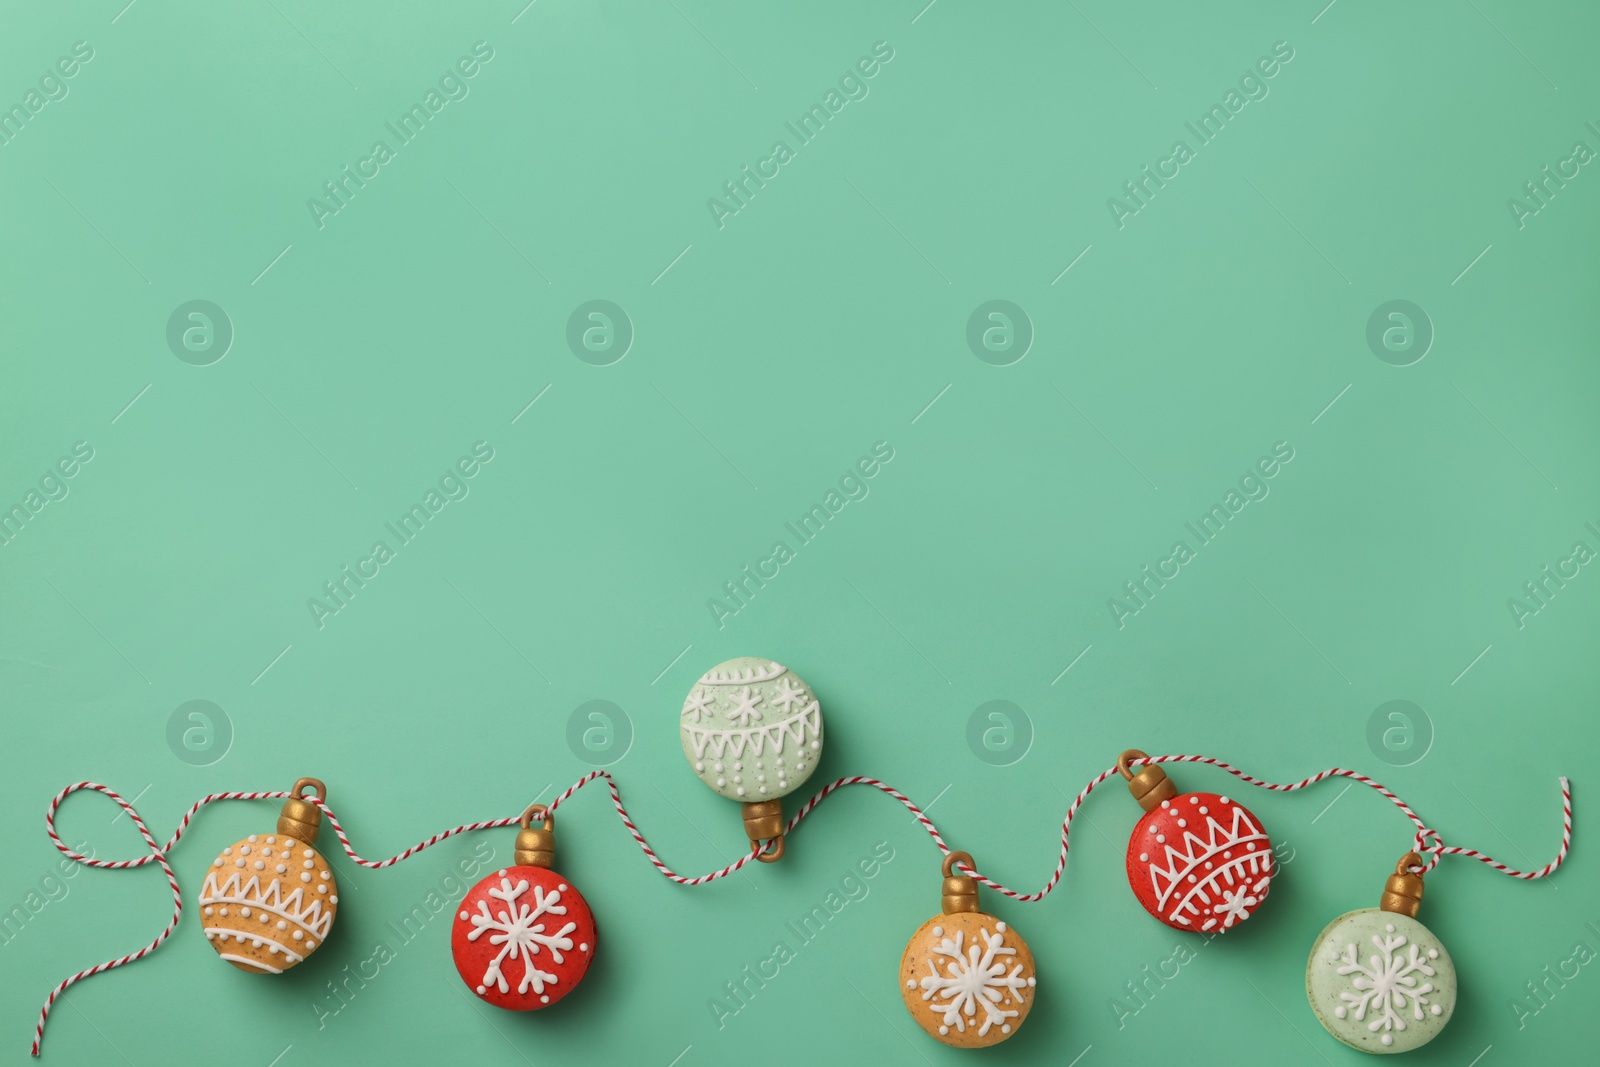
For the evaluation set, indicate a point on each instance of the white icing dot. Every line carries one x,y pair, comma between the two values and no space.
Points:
217,862
310,943
1387,1039
1251,845
719,768
305,877
502,872
1208,865
761,789
224,911
738,777
210,911
282,925
1191,878
264,917
1225,800
562,888
1151,830
260,866
1032,981
911,983
244,850
944,1029
1388,928
583,947
721,782
239,938
1436,1009
480,989
1183,822
252,839
210,936
699,766
740,790
322,889
333,900
228,851
272,840
544,999
1339,1012
239,862
463,915
738,766
281,869
1144,857
273,948
999,928
1161,838
1205,811
1228,854
326,876
815,744
758,765
245,912
308,864
938,931
1194,800
1166,803
1433,953
1005,1028
309,853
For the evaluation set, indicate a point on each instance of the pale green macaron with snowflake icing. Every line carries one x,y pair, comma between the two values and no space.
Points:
1380,981
751,729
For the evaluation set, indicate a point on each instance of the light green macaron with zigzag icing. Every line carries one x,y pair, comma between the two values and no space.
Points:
751,729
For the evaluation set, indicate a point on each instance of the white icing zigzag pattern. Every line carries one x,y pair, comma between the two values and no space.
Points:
1224,875
736,743
748,676
293,908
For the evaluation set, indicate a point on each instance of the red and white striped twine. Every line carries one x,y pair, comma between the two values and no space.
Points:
1426,842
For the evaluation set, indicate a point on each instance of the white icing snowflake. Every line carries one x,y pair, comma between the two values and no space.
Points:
744,707
1388,986
698,706
1235,906
788,694
973,980
518,929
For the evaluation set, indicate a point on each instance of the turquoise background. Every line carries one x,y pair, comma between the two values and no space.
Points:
768,356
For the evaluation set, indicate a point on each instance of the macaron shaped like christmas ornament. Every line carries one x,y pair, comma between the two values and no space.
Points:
1196,861
524,936
752,731
269,900
1377,979
967,977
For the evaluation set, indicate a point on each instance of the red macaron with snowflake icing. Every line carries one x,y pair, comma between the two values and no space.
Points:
524,937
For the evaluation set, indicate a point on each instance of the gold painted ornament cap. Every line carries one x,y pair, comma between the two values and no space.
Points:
300,819
1402,892
763,821
536,847
1150,786
960,891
